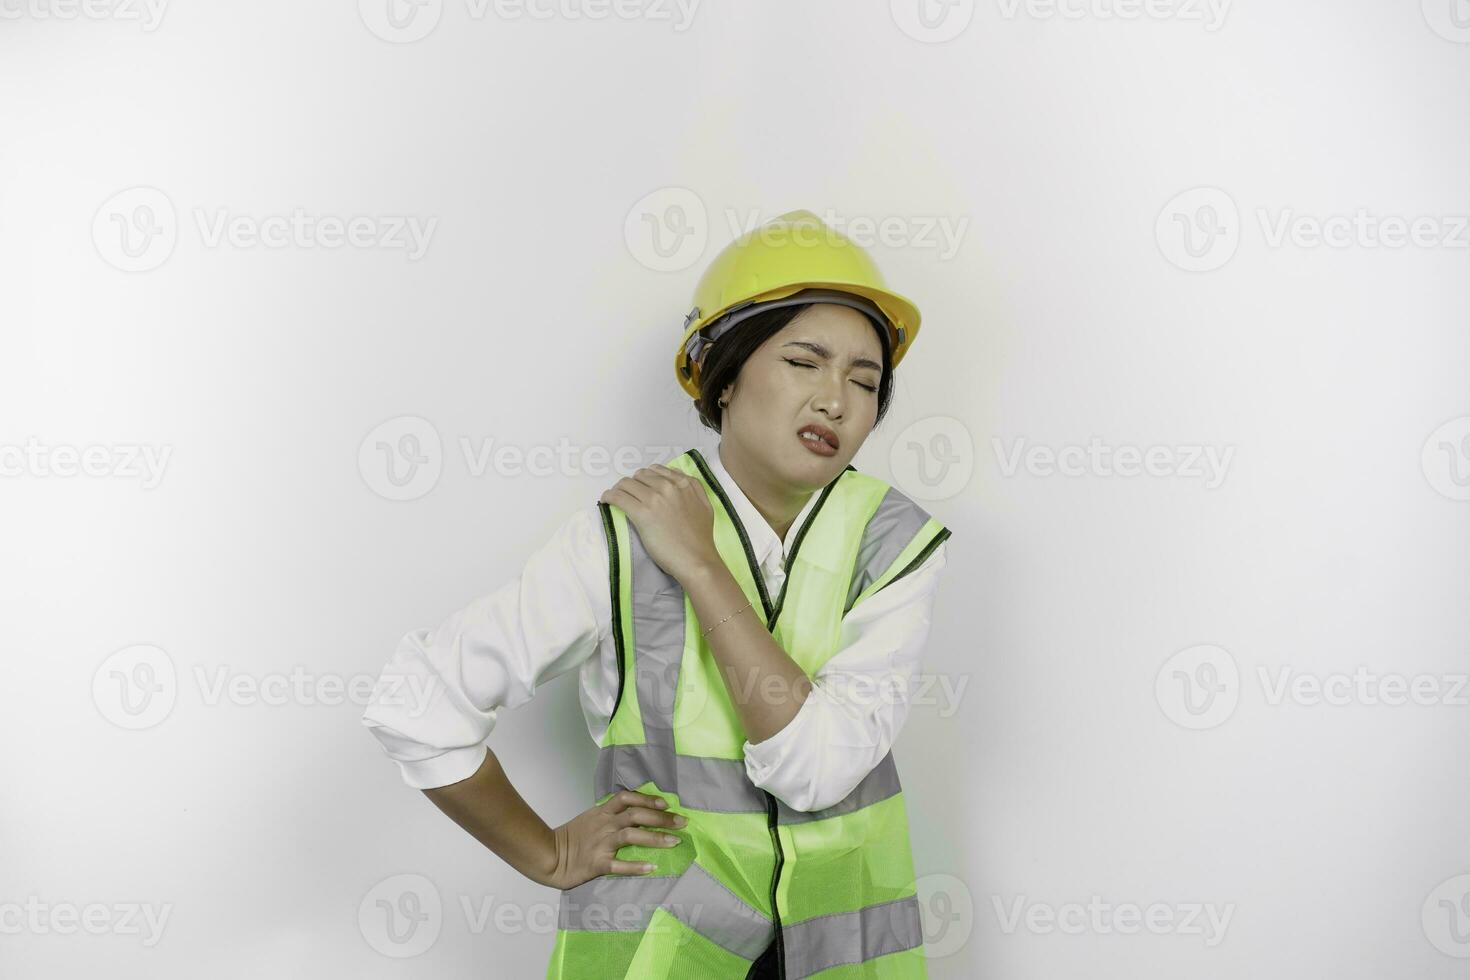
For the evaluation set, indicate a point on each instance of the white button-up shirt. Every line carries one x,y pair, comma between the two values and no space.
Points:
438,696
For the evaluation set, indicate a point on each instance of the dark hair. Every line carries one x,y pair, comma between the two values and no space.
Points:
724,359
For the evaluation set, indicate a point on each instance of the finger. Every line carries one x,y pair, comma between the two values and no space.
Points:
626,797
659,476
645,483
649,818
619,494
647,838
629,867
681,480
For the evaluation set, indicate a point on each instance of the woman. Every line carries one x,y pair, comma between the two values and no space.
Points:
747,626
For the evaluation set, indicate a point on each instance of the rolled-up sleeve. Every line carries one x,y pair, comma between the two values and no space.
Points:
859,699
438,696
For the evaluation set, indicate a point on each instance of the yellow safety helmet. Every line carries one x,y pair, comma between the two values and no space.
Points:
768,266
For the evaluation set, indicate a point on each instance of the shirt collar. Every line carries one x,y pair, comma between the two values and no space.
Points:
763,540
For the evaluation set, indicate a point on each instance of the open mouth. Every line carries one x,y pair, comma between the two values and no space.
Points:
819,439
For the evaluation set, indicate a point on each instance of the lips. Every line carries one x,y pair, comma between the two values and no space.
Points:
827,436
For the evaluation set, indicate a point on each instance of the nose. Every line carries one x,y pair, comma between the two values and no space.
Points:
829,401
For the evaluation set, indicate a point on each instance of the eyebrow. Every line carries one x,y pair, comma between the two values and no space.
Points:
822,352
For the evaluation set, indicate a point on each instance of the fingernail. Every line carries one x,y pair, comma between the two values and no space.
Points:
660,802
673,841
648,867
679,821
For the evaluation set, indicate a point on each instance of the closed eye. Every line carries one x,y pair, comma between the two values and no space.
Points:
806,364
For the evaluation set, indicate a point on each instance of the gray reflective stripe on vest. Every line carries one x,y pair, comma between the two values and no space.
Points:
718,785
695,897
721,785
851,937
890,530
658,641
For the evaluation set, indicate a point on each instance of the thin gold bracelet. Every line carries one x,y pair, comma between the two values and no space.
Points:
731,616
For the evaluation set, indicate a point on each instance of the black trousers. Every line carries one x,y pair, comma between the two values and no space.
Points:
764,968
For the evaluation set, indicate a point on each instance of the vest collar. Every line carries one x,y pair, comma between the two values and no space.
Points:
770,551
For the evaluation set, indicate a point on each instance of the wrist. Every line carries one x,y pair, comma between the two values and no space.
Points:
703,573
545,857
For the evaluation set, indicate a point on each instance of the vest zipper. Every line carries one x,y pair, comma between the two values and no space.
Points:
772,612
775,880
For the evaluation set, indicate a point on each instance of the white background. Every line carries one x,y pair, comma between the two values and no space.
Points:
1077,765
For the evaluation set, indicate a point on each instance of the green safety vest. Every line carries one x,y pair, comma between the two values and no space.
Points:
834,888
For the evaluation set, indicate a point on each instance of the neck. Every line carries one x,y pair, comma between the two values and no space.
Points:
778,503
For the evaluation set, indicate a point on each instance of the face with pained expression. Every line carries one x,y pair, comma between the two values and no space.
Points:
805,400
